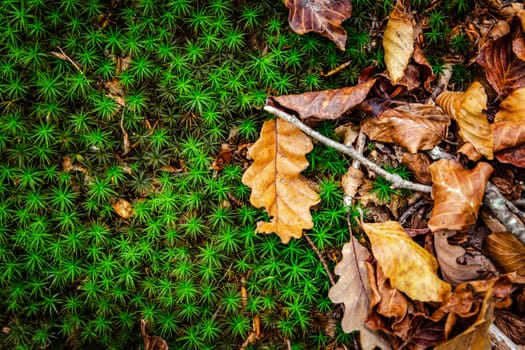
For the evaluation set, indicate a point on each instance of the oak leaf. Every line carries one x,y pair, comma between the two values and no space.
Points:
457,194
327,104
398,42
467,109
279,158
414,126
508,129
353,290
410,268
321,16
507,252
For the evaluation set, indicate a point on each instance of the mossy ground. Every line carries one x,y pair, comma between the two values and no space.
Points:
73,273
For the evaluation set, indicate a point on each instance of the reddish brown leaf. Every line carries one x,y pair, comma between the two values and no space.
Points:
419,164
457,194
507,252
387,301
505,71
414,126
152,342
321,16
512,325
514,156
327,104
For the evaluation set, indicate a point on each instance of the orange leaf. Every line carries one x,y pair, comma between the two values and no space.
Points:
457,194
467,109
320,16
327,104
507,252
279,158
414,126
123,208
509,124
398,42
410,268
353,290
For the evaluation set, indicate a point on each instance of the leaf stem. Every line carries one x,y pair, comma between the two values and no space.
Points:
396,180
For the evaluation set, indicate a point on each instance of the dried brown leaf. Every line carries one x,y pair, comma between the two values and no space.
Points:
398,42
351,181
279,158
353,290
457,194
327,104
410,268
448,256
511,325
507,252
123,208
386,300
321,16
504,70
152,342
514,156
508,129
418,164
414,126
467,109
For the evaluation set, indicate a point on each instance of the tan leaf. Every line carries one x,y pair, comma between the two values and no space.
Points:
414,126
448,256
123,208
507,252
410,268
279,158
351,181
327,104
321,16
353,290
398,42
152,342
457,194
508,129
467,109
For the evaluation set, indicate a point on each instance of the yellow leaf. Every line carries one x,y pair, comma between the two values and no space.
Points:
279,158
457,194
467,109
410,268
353,290
398,42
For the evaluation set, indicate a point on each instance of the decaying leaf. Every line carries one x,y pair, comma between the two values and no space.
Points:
467,109
410,268
414,126
504,69
507,252
508,128
514,156
511,325
457,194
327,104
418,164
321,16
398,42
279,158
123,208
448,256
353,290
152,342
351,181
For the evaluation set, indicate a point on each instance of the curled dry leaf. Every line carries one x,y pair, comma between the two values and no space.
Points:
321,16
508,128
152,342
504,69
279,158
507,252
410,268
511,325
414,126
467,109
448,256
457,194
353,290
327,104
398,42
123,208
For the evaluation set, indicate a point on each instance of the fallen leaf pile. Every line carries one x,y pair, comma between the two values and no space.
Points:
445,279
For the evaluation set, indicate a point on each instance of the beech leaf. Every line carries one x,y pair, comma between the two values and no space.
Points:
353,290
457,194
321,16
398,42
414,126
410,268
514,156
508,129
279,158
327,104
507,252
467,109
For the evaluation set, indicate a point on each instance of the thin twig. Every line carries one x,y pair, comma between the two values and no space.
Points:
360,145
396,180
67,58
321,258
